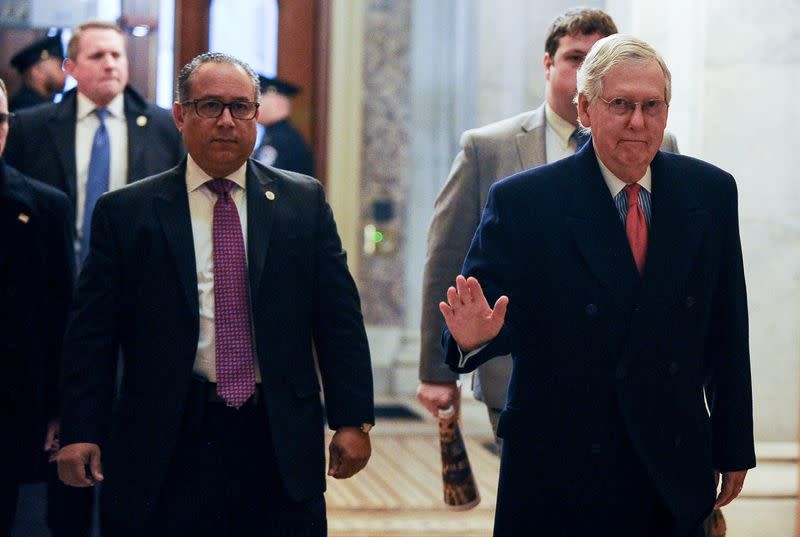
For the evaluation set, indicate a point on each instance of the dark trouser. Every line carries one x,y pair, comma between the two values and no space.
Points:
223,480
70,510
9,491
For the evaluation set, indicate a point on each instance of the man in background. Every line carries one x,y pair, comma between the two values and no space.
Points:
39,65
280,144
36,270
101,136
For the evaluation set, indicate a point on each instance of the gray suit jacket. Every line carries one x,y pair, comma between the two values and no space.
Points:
488,154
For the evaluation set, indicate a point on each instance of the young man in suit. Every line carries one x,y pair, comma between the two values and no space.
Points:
37,271
629,307
218,279
102,123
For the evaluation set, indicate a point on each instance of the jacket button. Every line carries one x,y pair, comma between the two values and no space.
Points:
677,440
637,308
690,301
591,310
673,368
622,371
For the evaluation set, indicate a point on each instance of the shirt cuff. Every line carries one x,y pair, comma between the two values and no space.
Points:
462,359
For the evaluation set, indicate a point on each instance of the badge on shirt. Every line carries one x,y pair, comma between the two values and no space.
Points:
141,121
22,217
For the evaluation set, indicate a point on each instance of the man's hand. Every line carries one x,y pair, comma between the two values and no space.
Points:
349,452
732,483
436,395
51,443
469,318
72,460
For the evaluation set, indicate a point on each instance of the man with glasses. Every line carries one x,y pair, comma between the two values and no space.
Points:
629,313
490,153
37,266
219,278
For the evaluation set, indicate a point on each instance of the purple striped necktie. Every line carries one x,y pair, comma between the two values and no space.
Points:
236,380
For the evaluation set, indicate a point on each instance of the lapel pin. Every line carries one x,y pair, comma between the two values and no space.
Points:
23,218
270,195
141,121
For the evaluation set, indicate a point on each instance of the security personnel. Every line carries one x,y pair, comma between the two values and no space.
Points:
278,143
39,64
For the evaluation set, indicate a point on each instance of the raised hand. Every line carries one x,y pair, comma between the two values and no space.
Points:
470,319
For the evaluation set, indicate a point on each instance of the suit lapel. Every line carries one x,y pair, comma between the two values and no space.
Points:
16,201
679,225
263,196
597,229
61,128
531,145
172,210
137,120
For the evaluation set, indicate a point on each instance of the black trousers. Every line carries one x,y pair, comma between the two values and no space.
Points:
223,480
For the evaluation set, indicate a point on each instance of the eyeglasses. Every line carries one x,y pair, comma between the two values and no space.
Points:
212,108
623,107
6,117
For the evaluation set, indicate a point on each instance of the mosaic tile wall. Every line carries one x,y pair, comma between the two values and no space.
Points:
385,157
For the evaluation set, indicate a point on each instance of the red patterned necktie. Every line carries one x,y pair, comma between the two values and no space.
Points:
233,340
636,226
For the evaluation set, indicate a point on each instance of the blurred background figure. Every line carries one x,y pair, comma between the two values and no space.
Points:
39,65
36,270
278,143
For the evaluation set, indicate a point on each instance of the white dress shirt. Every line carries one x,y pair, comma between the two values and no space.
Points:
201,212
86,124
557,136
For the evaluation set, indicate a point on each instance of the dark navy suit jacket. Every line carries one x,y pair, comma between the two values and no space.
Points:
599,351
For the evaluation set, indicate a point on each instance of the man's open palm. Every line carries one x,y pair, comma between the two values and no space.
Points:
469,318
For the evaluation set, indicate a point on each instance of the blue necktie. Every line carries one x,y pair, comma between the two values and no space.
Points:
97,181
580,137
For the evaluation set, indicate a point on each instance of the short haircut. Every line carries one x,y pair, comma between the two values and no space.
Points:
3,88
183,87
74,42
615,50
578,21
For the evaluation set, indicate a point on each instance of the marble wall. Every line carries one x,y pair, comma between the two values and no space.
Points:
433,69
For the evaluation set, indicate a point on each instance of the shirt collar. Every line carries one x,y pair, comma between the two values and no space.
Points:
196,177
561,127
116,108
615,184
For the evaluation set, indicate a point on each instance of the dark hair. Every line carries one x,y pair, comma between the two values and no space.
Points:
183,86
578,20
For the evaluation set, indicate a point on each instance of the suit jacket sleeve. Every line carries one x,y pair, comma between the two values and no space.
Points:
91,343
338,327
491,260
60,282
729,385
456,215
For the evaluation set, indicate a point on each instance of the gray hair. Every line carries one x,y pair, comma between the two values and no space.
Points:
614,50
183,87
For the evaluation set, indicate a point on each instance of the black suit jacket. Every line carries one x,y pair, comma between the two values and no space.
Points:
37,272
41,141
138,289
599,352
